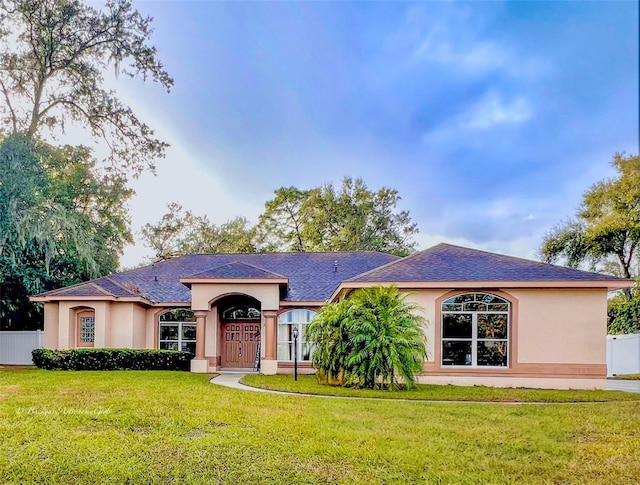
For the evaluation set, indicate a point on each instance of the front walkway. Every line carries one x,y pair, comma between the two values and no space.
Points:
232,379
622,385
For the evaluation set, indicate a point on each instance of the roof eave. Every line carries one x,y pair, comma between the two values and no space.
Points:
258,281
125,299
610,285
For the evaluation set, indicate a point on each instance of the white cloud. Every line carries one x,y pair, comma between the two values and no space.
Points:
492,110
481,56
457,37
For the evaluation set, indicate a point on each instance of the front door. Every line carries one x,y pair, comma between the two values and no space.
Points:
240,344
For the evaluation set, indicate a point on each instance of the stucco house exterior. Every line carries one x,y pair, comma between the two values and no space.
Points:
490,319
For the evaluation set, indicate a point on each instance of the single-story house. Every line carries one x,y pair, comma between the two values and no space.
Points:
490,319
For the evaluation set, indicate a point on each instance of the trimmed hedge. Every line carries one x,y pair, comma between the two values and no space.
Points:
111,359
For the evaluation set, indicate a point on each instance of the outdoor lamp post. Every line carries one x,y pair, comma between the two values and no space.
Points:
294,332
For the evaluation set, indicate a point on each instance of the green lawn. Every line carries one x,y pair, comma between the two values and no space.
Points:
170,427
629,377
308,384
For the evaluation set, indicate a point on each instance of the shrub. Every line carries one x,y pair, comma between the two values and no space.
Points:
111,359
373,339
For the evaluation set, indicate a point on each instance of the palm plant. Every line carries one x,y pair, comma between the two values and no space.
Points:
328,332
372,339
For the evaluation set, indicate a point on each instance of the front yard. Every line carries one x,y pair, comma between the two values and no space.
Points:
170,427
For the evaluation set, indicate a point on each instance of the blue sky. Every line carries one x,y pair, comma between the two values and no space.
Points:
490,119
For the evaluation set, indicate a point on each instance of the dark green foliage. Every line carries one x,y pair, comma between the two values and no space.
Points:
350,217
61,222
111,359
373,339
180,232
624,316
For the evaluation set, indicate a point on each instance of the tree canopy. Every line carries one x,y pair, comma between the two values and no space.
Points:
349,218
606,227
63,214
352,218
60,223
53,54
181,232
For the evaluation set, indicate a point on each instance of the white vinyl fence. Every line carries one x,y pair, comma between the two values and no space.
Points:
623,354
16,346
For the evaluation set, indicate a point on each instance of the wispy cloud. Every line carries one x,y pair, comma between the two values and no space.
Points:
493,110
490,118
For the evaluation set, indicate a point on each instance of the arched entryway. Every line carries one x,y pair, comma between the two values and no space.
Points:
240,319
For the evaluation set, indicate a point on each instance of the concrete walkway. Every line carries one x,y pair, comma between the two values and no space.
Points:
232,380
622,385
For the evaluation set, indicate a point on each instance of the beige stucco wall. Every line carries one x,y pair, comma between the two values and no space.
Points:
127,326
426,299
67,332
120,331
562,326
554,326
103,321
203,294
139,327
211,334
118,324
51,329
150,325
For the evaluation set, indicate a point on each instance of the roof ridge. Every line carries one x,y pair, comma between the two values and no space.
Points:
256,267
76,285
235,262
104,291
118,284
273,252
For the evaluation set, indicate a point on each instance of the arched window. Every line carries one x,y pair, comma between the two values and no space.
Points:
287,321
475,330
240,312
177,330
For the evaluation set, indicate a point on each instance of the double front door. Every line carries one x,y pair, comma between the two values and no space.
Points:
240,344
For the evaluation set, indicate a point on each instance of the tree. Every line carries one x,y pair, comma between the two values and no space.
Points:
51,72
283,220
372,339
352,218
180,232
67,222
320,219
59,223
606,227
624,316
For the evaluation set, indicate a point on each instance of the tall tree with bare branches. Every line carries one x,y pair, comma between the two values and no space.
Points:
53,54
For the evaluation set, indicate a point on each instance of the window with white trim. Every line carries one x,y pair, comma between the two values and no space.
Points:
475,330
287,321
177,330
